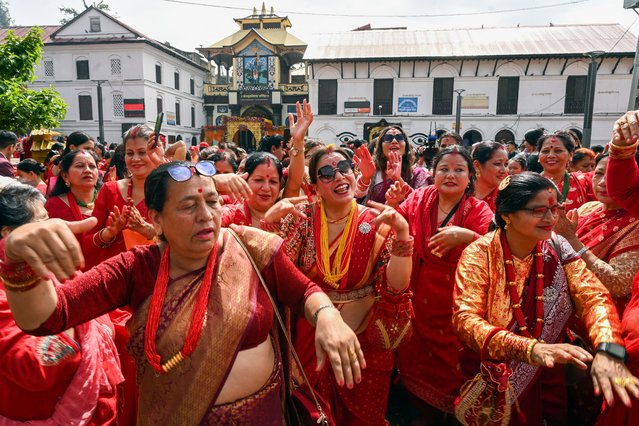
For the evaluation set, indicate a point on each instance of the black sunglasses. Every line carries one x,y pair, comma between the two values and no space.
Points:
182,173
388,138
327,173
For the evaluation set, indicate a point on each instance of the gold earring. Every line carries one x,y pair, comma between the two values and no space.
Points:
478,173
507,225
66,182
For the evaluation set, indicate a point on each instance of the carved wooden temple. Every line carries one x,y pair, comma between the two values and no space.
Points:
256,76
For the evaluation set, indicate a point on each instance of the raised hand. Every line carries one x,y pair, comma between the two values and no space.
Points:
626,129
155,151
233,185
394,166
388,215
566,226
115,223
284,207
397,193
365,163
299,127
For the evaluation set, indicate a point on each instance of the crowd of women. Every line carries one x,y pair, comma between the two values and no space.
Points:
146,288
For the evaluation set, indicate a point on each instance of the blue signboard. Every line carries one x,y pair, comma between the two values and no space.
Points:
407,104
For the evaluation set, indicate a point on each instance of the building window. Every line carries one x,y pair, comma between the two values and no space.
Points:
118,105
116,66
575,94
251,26
177,114
383,96
443,96
86,107
82,69
327,97
272,25
192,86
507,95
158,73
95,25
192,115
49,71
160,105
176,77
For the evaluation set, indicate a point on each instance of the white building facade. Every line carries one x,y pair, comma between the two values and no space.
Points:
138,76
514,79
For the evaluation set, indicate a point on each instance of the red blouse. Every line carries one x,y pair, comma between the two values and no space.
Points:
129,278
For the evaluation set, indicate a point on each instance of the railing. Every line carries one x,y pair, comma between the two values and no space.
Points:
216,89
294,89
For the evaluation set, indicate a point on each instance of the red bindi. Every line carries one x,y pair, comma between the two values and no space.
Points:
200,190
552,201
334,163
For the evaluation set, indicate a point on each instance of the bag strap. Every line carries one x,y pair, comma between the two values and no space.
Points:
450,215
484,349
280,321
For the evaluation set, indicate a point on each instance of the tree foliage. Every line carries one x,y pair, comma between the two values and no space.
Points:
5,17
22,108
70,13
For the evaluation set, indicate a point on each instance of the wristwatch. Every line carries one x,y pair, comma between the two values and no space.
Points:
614,350
295,152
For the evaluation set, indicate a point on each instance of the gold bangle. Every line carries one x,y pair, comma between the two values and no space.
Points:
22,286
623,152
529,351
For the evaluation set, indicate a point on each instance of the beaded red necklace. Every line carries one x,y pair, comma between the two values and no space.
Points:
538,269
198,315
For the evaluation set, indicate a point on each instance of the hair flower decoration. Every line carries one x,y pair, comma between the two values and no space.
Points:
504,183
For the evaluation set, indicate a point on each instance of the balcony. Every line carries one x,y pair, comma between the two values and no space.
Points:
216,89
294,89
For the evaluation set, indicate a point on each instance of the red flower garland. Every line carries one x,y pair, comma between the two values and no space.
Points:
538,269
198,315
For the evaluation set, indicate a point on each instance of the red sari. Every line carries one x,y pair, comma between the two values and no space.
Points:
610,233
236,214
622,182
366,403
108,197
579,192
428,363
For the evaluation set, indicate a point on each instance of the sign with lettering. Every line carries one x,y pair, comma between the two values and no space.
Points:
407,104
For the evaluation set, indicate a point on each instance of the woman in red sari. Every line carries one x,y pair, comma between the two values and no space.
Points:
443,220
201,329
42,378
120,207
73,196
623,187
265,180
555,152
490,161
343,246
607,237
516,291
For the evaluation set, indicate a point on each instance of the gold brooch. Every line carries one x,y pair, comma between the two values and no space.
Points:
504,183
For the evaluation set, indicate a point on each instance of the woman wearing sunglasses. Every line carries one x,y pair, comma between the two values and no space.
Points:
555,151
516,290
392,162
444,218
200,331
360,257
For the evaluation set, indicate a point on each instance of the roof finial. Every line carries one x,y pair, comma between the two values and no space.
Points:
272,10
263,9
254,11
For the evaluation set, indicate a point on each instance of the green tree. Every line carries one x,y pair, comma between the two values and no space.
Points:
5,17
21,108
70,13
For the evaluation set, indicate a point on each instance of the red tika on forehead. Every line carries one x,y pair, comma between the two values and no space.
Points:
268,162
552,201
200,190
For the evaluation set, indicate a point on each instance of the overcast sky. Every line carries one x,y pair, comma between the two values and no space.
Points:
189,26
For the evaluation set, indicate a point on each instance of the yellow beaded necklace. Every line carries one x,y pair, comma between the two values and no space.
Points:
335,272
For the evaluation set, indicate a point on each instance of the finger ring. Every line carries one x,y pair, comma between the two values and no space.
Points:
352,354
624,381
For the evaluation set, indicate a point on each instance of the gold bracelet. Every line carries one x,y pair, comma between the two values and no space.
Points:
22,286
623,152
529,351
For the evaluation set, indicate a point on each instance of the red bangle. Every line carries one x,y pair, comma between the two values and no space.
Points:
403,248
18,276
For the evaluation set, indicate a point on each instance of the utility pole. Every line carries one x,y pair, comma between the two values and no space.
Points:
100,111
633,101
458,113
590,96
